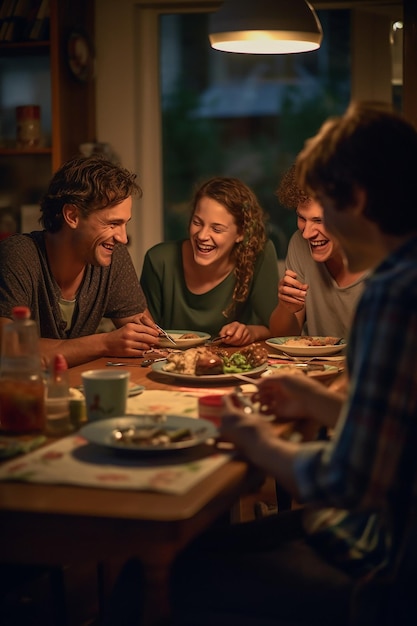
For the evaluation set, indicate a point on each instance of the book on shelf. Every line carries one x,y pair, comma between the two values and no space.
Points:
7,8
24,20
40,25
6,14
17,21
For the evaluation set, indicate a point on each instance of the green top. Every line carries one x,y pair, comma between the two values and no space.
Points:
173,306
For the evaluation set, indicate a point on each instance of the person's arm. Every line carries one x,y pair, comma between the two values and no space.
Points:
286,396
255,438
288,317
131,338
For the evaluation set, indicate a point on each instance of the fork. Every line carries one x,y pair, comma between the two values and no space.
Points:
215,339
298,359
163,333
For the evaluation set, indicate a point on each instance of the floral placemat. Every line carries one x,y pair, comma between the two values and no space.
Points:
164,401
73,461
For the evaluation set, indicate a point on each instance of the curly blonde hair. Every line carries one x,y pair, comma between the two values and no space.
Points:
240,201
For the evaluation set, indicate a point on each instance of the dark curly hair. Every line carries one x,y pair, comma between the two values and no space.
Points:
240,201
90,183
289,193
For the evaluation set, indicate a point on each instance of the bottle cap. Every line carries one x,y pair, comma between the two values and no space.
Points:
21,312
60,363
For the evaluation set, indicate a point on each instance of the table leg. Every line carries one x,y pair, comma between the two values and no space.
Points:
135,592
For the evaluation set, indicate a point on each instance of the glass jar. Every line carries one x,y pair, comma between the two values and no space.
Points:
28,126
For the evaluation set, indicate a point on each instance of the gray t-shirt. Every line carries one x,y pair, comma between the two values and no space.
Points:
329,308
25,280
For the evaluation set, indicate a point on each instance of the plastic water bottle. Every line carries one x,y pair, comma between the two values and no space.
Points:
22,387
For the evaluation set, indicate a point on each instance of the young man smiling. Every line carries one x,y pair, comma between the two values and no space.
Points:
318,293
78,270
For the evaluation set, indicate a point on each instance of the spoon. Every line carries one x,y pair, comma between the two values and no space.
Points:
116,364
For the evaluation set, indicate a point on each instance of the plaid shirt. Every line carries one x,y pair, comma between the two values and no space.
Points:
369,469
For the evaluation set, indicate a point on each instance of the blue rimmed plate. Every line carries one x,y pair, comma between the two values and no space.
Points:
294,346
101,432
211,378
182,341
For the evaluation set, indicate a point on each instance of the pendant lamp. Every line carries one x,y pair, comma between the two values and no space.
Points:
265,27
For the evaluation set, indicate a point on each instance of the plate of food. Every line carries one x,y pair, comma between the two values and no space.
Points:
183,339
213,365
144,433
307,345
324,373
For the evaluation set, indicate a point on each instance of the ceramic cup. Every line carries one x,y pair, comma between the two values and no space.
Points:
105,392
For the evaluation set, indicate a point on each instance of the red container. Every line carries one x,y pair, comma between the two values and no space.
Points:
210,408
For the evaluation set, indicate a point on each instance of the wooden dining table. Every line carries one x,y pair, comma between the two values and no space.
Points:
68,524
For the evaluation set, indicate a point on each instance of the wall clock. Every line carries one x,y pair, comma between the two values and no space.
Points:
80,56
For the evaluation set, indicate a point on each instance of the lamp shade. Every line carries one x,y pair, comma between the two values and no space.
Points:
265,27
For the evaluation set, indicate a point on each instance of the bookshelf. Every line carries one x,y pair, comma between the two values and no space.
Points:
35,69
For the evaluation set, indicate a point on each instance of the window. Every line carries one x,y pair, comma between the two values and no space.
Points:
242,115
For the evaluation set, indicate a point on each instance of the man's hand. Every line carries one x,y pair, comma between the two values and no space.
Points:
244,430
288,396
133,338
292,293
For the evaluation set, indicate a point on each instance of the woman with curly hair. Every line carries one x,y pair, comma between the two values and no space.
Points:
223,278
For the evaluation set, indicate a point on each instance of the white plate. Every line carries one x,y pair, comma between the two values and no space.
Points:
212,378
279,343
182,344
327,373
100,432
